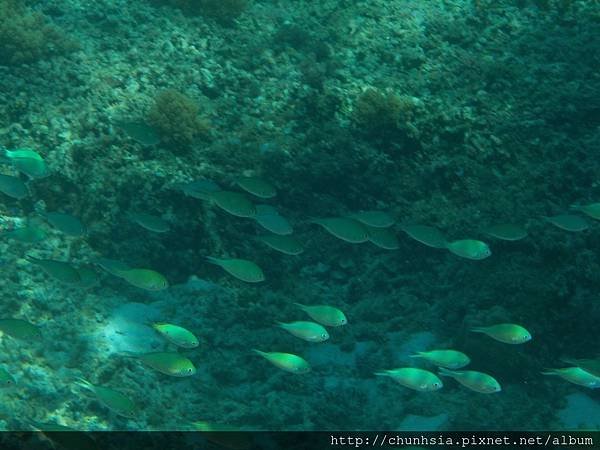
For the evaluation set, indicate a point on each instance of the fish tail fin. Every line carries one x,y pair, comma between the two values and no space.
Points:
445,372
213,260
128,354
569,361
32,259
258,352
300,305
417,355
385,373
478,330
549,372
279,324
80,381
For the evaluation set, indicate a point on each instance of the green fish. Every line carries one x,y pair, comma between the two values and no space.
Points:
113,266
576,375
325,315
568,222
284,244
268,218
509,333
176,334
375,219
28,162
309,331
450,359
112,399
65,223
413,378
476,381
199,189
19,329
469,248
233,202
169,363
343,228
144,279
242,269
589,365
256,186
506,232
13,187
383,238
150,222
6,379
59,270
29,234
430,236
592,210
286,361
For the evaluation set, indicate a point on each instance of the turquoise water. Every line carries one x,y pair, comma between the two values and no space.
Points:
163,128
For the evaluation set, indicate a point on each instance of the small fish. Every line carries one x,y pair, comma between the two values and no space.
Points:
112,399
59,270
383,238
375,219
413,378
568,222
66,438
242,269
506,232
176,334
6,379
233,202
66,223
425,234
576,375
13,187
591,209
27,161
19,329
509,333
140,132
589,365
309,331
325,315
113,266
169,363
29,234
450,359
286,361
225,436
283,244
476,381
199,189
469,248
150,222
256,186
343,228
268,218
145,279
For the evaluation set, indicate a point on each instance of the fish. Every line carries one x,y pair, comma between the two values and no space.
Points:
176,334
476,381
284,244
256,186
309,331
285,361
591,210
150,222
199,189
568,222
88,276
576,375
430,236
324,314
589,365
113,266
469,249
29,234
241,269
375,219
343,228
19,329
59,270
450,359
383,238
28,162
140,132
233,202
66,438
13,187
268,218
66,223
168,363
6,379
506,232
144,279
508,333
417,379
114,400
